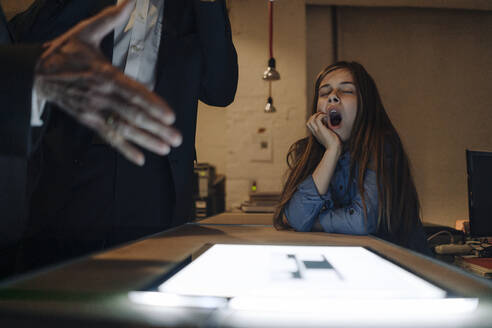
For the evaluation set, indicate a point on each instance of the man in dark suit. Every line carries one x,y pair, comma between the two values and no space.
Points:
89,197
14,141
24,68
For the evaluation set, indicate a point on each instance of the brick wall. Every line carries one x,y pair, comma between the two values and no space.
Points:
225,138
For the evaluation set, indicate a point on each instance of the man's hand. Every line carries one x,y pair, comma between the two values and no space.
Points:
74,74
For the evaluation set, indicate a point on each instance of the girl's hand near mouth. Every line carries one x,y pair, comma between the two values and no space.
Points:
319,127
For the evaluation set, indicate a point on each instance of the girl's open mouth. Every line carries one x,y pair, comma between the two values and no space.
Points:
335,118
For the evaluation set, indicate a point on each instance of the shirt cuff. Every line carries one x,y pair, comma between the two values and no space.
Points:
309,190
37,107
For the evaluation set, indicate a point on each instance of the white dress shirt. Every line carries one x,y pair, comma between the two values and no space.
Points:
136,47
136,43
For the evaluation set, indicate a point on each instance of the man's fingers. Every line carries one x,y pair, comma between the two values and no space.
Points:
143,139
97,123
119,132
107,79
142,121
91,95
96,28
112,137
141,96
126,149
136,115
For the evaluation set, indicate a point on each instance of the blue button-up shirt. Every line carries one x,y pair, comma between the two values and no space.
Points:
340,210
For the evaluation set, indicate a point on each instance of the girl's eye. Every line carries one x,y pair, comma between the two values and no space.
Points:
348,91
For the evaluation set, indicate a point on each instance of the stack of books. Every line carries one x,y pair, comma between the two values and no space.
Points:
478,265
261,202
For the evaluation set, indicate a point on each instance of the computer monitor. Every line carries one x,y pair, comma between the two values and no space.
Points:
479,170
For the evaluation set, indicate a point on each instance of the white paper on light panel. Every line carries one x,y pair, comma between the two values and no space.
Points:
297,271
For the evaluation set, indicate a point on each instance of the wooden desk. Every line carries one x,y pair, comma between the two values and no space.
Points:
94,290
236,218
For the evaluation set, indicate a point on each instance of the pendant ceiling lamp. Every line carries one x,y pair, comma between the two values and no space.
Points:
271,73
269,108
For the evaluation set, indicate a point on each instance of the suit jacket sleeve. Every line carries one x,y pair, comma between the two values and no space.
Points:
17,64
220,72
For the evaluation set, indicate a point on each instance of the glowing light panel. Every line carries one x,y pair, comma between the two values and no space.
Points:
297,271
323,283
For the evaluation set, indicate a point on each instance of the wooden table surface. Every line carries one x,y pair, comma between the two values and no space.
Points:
94,289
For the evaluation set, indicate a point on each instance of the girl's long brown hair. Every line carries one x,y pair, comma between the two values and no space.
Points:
373,141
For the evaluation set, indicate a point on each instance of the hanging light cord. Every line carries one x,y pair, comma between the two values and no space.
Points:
270,13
